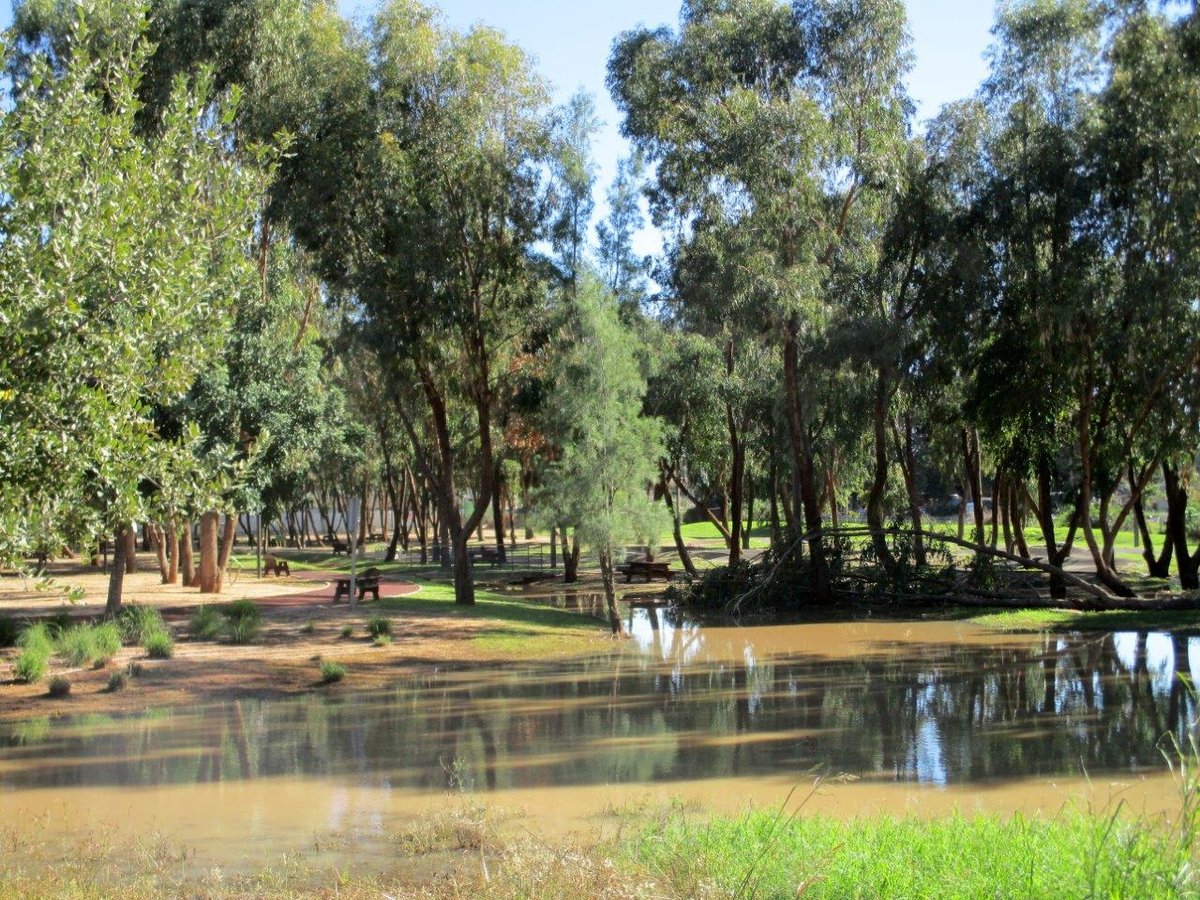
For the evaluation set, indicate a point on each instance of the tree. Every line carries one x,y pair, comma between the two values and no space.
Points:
600,483
120,254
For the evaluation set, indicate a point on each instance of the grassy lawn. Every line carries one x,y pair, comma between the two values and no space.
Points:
1068,620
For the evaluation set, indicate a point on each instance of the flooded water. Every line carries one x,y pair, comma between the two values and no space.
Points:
909,716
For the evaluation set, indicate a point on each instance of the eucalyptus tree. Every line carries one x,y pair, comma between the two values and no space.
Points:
110,297
788,118
624,272
446,201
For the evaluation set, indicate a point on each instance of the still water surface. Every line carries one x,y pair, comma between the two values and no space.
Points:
902,716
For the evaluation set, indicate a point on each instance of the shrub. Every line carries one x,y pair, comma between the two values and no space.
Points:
205,623
59,687
137,623
331,672
31,664
379,625
37,637
382,640
117,681
77,645
308,627
108,641
242,621
9,629
347,631
159,645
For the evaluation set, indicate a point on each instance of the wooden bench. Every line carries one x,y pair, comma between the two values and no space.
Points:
340,547
367,582
645,569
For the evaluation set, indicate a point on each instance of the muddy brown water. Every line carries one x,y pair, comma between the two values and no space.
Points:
902,717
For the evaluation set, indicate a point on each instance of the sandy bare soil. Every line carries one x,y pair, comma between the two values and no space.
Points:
284,660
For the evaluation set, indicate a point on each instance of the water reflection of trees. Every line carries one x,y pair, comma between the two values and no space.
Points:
926,713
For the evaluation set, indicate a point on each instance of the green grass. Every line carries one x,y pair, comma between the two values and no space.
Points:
516,628
159,645
379,625
332,672
1069,620
764,855
205,623
243,621
137,623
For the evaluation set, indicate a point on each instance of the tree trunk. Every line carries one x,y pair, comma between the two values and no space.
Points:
908,467
570,558
186,555
749,529
498,516
172,549
875,511
804,474
1160,566
158,544
225,551
553,547
131,548
1187,564
208,552
685,558
116,575
776,526
610,593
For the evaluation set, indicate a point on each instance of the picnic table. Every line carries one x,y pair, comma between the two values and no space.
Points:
367,582
645,568
489,555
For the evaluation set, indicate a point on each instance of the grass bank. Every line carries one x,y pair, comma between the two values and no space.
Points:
462,852
1039,620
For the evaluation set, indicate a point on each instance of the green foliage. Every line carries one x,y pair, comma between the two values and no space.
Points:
347,631
332,672
767,855
77,645
243,621
32,662
308,627
59,687
379,625
138,622
382,640
38,636
158,645
205,623
111,300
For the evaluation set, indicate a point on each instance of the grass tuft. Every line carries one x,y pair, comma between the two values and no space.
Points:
138,622
117,681
380,625
59,687
347,631
205,623
332,672
159,645
243,621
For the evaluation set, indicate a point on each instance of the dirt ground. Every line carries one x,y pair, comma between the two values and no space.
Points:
284,660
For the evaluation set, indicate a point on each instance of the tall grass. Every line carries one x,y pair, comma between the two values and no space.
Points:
205,623
139,622
243,621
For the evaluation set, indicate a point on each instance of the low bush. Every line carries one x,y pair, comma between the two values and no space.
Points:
205,623
59,687
137,623
243,621
117,681
347,631
108,641
159,645
31,665
37,636
379,625
382,640
308,627
331,672
77,646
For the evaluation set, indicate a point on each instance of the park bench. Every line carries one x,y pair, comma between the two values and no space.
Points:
366,583
340,547
276,566
644,568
